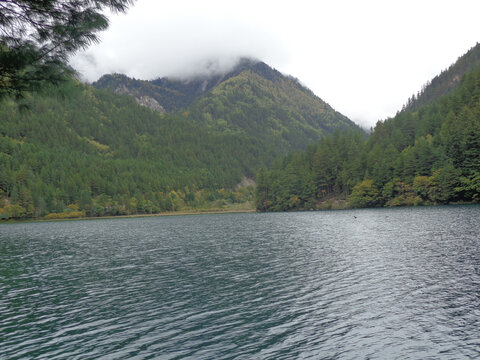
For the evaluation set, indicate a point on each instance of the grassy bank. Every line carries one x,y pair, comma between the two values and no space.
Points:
78,215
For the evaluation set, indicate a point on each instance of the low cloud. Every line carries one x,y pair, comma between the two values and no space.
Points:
363,58
146,47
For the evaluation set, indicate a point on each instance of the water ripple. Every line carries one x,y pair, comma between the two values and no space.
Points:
366,284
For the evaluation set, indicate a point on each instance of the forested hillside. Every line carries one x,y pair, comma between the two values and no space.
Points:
81,151
246,104
430,155
92,151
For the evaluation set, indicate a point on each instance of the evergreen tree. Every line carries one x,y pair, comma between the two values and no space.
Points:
427,156
37,36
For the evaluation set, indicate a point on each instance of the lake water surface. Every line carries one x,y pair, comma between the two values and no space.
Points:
360,284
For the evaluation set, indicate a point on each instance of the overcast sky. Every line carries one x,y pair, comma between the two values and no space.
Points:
364,58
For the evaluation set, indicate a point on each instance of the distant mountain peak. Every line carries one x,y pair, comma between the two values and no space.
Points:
171,93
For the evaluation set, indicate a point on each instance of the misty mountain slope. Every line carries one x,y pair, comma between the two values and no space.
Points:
446,81
252,99
276,107
172,94
425,115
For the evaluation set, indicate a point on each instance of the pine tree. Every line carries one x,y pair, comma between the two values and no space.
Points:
37,36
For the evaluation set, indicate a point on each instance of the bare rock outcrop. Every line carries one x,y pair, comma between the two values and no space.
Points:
143,100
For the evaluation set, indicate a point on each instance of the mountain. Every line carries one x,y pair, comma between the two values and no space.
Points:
446,81
262,101
175,94
79,150
428,154
252,98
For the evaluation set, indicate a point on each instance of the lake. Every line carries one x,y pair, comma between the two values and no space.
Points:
357,284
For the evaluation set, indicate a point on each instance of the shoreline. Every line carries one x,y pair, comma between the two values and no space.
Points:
166,213
215,211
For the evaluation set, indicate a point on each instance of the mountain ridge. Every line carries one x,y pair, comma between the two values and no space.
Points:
445,82
284,111
251,97
173,93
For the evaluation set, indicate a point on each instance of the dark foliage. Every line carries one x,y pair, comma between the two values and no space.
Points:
430,155
36,38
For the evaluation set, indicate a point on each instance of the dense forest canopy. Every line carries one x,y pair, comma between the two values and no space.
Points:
77,144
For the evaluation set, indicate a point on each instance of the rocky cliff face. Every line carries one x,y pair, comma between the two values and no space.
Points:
150,103
143,100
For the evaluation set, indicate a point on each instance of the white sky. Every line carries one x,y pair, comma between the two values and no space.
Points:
364,58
